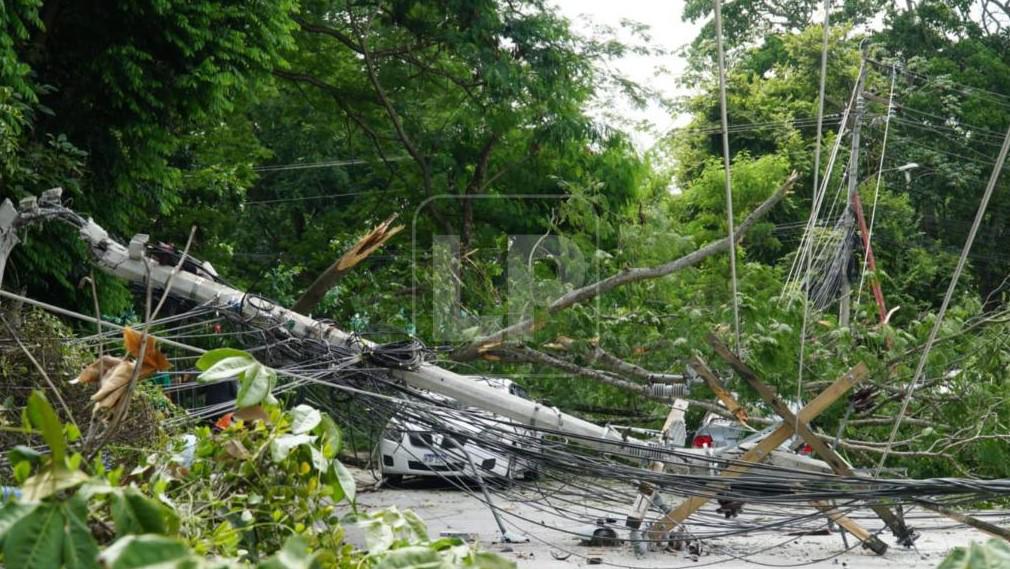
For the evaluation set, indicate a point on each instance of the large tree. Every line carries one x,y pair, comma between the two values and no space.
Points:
119,104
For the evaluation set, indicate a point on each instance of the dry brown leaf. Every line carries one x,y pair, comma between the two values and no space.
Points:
253,413
236,449
112,385
97,369
154,359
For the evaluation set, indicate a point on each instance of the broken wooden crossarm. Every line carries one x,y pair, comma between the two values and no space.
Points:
716,386
762,450
897,526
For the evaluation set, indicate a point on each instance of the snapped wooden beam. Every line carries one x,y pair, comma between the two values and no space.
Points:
820,448
763,449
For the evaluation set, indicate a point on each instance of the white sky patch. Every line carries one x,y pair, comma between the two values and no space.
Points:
660,73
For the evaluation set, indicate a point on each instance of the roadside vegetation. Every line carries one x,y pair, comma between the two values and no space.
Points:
283,131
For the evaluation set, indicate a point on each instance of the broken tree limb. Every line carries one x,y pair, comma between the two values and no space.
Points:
582,294
617,364
529,355
358,252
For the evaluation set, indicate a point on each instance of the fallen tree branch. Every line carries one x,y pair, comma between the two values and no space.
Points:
358,252
617,364
579,295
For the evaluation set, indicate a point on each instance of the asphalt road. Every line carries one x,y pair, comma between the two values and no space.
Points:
552,544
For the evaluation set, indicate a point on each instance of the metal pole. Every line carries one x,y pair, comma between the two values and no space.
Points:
844,308
728,180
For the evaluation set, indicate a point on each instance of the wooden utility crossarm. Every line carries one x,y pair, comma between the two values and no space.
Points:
819,447
765,447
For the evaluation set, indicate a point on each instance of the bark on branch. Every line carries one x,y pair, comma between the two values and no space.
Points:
617,364
579,295
358,252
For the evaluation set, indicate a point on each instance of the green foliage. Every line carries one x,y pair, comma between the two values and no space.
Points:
148,89
993,554
278,505
255,381
399,540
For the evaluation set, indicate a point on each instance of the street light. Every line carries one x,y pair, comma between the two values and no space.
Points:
906,168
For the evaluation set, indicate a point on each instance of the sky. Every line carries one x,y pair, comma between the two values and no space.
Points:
666,30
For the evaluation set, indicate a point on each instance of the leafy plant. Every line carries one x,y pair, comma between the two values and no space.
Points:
48,526
993,554
256,381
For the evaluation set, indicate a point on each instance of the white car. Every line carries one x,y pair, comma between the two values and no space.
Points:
411,449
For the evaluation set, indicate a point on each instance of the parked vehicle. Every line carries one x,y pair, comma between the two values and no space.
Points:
410,449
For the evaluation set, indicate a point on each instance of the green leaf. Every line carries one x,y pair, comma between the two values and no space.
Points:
319,460
346,480
80,551
487,560
281,447
72,432
135,513
22,470
36,540
294,555
54,479
256,382
11,513
212,357
21,453
227,368
304,418
45,419
412,557
416,525
148,551
993,554
332,439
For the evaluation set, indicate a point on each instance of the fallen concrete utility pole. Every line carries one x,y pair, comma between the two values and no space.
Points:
130,263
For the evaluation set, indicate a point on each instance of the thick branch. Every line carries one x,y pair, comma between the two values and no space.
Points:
347,41
474,187
358,252
617,364
579,295
394,117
